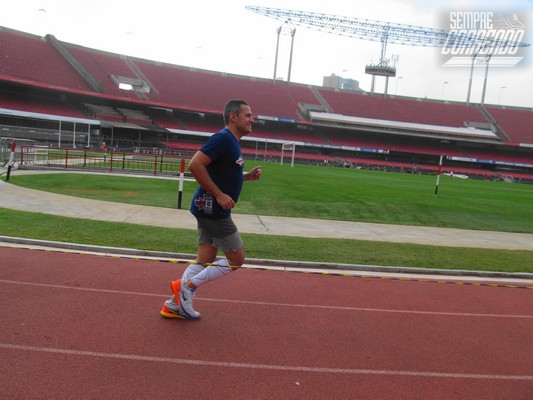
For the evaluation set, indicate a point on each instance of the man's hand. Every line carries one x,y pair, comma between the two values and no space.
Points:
254,174
225,201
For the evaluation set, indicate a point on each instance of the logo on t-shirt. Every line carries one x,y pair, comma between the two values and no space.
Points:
205,203
239,161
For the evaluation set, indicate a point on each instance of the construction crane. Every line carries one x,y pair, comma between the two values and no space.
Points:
389,32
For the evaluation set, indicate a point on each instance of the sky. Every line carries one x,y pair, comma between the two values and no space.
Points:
224,36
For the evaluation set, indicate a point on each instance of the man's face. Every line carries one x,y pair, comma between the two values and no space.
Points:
244,120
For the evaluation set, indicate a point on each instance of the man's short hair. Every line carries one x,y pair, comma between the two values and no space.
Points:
233,106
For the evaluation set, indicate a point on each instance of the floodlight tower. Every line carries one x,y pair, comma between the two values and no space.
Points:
385,32
288,28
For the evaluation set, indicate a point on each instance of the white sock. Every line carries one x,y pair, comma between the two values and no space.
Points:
215,271
192,270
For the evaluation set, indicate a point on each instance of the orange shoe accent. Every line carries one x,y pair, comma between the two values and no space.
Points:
176,287
167,313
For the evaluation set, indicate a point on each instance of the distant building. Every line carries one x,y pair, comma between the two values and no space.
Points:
338,82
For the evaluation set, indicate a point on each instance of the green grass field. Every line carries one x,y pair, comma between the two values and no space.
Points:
329,193
311,192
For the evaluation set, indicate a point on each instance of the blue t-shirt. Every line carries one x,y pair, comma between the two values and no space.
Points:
225,170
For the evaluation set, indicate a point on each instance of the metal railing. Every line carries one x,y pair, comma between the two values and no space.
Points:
99,160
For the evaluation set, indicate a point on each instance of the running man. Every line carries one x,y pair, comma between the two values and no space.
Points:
218,167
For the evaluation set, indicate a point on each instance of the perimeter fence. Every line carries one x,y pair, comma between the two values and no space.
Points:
135,162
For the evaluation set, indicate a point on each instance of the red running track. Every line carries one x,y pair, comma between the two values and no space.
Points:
80,326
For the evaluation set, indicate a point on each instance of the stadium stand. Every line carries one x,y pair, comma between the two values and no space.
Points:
32,103
516,124
391,143
264,134
105,113
105,66
300,135
182,145
401,109
508,156
167,121
176,107
198,122
191,89
19,53
135,116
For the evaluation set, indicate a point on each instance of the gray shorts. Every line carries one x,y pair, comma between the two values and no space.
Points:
219,233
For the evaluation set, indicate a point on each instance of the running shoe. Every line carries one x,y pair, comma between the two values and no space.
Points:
172,310
176,287
185,296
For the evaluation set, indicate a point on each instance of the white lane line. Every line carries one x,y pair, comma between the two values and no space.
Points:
272,304
227,364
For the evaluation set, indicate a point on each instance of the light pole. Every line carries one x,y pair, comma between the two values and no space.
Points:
292,31
278,31
396,88
500,94
487,60
471,77
442,94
